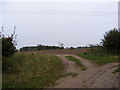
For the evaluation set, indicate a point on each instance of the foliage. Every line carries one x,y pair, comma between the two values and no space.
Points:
111,41
43,47
8,44
32,70
8,47
71,48
77,61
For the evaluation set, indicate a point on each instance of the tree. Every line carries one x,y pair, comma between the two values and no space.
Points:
111,41
8,44
71,48
8,47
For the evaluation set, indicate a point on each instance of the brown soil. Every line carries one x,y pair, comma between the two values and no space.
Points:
94,77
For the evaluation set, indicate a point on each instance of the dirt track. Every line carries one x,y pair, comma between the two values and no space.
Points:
94,77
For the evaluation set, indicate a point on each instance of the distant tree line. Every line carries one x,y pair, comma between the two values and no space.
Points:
43,47
80,47
40,47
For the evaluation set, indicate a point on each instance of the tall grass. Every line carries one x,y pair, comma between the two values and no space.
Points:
100,51
32,71
100,56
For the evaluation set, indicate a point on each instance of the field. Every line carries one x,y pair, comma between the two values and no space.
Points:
49,68
59,51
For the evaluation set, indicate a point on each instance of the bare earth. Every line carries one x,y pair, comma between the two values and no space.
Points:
94,77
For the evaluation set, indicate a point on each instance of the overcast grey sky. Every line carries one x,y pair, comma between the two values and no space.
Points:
72,23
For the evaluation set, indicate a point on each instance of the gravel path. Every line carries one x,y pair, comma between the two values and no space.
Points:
94,77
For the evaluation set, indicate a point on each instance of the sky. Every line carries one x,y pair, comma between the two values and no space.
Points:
71,22
59,0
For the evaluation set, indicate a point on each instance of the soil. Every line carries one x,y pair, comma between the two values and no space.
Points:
93,77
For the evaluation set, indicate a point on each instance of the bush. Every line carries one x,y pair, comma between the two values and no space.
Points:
8,47
111,41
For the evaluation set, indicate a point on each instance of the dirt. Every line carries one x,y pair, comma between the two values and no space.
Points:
94,77
69,65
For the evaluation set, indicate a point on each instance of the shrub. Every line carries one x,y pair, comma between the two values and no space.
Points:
111,41
8,47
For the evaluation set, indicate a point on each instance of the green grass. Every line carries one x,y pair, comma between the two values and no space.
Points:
100,59
32,71
77,61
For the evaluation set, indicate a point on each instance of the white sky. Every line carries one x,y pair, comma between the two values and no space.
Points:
59,0
74,24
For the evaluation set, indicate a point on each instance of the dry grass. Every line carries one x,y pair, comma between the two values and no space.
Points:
59,51
32,70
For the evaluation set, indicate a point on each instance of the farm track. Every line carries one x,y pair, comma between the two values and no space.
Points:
94,77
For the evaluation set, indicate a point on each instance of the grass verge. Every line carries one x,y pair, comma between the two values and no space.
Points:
99,59
77,61
32,71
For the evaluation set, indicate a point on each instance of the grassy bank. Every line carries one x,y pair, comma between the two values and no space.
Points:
99,56
77,61
32,71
